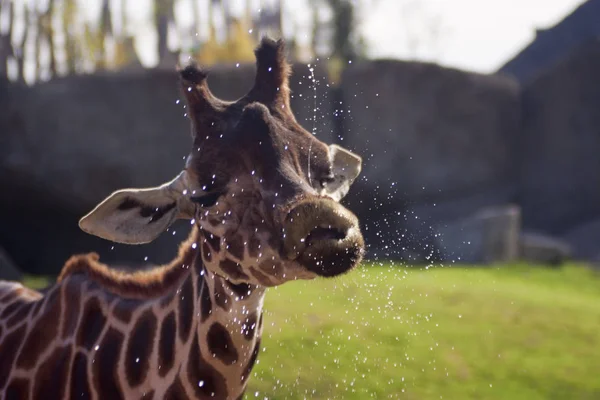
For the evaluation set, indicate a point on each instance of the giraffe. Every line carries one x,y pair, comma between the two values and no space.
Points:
263,196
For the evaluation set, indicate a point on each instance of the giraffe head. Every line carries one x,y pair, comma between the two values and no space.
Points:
263,191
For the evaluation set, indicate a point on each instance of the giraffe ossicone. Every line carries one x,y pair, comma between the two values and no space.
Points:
263,195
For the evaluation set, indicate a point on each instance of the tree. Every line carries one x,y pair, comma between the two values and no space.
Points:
6,46
164,17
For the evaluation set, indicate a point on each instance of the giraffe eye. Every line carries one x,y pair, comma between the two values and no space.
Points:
207,200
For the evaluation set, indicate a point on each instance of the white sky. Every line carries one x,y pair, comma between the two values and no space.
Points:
477,35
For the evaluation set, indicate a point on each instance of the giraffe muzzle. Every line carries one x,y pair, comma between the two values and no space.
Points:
323,236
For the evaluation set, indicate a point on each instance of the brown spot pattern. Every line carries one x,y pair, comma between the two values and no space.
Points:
253,246
165,302
205,302
249,326
176,391
124,309
271,267
139,348
252,361
206,252
206,381
213,240
91,325
235,246
186,309
17,389
10,309
72,304
241,290
8,349
220,344
20,315
166,345
233,270
221,297
80,386
260,277
42,333
49,382
104,366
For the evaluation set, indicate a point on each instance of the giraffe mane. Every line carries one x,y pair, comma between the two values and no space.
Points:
145,284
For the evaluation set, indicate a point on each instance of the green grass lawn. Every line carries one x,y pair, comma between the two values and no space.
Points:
517,332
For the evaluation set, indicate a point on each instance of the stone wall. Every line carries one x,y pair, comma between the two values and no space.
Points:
560,147
437,143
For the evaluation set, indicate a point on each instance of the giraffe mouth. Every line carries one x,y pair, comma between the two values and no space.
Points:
324,233
323,237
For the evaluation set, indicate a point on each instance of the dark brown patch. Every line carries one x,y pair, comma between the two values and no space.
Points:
49,382
206,252
233,270
252,361
205,302
260,277
199,264
92,323
17,389
105,372
149,395
8,349
221,297
235,246
241,290
42,333
213,240
13,307
271,267
21,314
139,348
166,345
176,391
80,386
249,326
186,309
253,246
165,302
205,380
72,303
220,344
125,308
37,307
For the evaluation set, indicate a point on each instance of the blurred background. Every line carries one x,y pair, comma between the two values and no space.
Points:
479,128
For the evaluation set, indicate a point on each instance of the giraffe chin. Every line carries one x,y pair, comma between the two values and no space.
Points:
329,257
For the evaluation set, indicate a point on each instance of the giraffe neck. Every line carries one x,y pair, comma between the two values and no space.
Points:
219,328
199,339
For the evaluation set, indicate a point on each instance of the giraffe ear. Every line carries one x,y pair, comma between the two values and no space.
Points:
137,216
346,168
